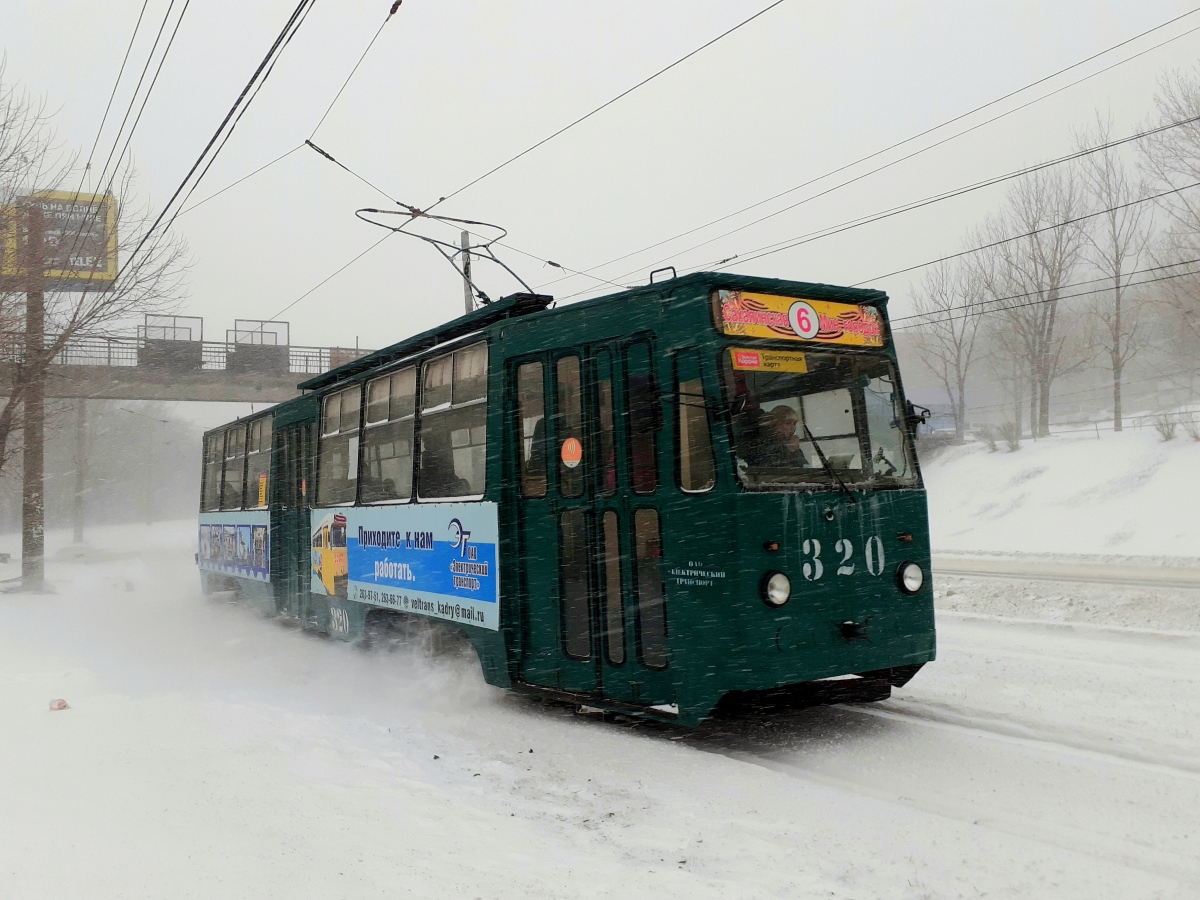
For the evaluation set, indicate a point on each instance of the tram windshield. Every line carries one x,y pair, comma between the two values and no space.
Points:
817,419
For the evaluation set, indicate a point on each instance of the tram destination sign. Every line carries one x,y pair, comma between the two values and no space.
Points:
79,243
746,314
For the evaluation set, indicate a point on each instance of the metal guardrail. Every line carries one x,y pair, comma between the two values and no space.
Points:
130,352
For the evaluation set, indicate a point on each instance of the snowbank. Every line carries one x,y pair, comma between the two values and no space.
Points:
1129,494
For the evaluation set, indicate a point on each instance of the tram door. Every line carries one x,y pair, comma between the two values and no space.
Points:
591,537
290,562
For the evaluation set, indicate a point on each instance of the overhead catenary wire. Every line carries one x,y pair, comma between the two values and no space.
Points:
394,9
987,307
829,231
265,66
908,140
937,313
606,104
112,94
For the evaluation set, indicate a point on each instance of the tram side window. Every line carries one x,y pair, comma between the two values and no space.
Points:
644,419
337,464
697,470
388,437
214,451
235,468
454,424
258,464
531,425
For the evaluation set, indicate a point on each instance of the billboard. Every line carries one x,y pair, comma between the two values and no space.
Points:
747,314
79,242
236,543
437,559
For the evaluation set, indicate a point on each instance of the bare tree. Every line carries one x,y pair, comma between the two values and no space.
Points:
1171,162
1035,251
950,302
151,281
1116,243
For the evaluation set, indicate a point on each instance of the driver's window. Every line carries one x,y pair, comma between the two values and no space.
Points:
885,426
828,417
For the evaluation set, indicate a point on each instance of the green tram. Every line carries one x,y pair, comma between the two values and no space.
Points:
698,489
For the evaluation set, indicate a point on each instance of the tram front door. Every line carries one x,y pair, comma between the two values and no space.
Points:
593,608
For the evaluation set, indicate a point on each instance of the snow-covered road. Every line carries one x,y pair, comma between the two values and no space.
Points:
211,753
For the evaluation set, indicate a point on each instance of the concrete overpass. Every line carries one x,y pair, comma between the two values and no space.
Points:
165,362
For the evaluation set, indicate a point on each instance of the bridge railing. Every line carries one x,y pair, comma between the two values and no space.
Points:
185,356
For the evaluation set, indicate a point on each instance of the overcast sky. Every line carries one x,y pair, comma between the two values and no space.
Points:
454,87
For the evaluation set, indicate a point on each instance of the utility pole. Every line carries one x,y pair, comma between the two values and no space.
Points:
468,293
80,466
33,522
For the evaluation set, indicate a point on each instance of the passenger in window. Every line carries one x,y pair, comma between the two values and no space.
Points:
774,441
438,478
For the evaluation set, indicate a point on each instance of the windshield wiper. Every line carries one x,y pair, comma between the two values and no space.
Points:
828,468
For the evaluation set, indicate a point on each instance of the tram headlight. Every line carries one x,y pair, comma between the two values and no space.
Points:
776,588
910,577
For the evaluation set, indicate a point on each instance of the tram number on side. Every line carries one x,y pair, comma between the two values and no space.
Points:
339,620
814,566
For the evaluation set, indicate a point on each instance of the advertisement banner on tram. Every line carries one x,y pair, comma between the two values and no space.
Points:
437,560
236,543
747,314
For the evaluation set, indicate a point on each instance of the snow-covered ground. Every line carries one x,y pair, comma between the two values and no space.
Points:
211,753
1127,494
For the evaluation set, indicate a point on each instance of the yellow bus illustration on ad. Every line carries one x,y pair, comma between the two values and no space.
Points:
329,563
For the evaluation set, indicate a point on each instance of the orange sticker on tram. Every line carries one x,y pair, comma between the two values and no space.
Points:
572,453
767,361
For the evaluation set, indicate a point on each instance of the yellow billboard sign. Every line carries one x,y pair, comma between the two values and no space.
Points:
746,360
79,239
747,314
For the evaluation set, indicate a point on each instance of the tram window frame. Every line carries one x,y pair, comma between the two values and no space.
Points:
612,592
332,438
466,410
531,448
235,449
606,472
651,656
213,474
693,433
395,404
569,422
642,401
258,462
575,605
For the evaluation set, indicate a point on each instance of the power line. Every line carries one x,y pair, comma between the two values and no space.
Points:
607,104
934,314
227,187
388,18
1035,231
791,243
332,275
991,310
908,140
266,65
120,72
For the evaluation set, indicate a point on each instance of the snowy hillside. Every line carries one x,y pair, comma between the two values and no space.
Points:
1128,494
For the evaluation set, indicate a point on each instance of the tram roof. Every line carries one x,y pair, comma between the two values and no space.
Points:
516,305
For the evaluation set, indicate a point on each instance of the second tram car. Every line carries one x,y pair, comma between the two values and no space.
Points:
699,489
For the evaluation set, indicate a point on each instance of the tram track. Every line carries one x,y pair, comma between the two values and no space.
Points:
1083,573
1145,857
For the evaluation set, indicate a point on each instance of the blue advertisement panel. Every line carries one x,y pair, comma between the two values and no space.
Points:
436,559
236,543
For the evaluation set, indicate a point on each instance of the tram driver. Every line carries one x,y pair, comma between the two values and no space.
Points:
774,441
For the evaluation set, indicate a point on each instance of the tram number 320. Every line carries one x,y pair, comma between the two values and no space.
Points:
814,568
